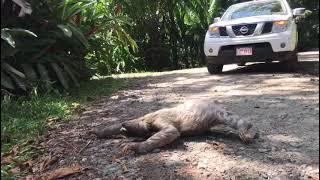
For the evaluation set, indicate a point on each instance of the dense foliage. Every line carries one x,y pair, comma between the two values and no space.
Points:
54,43
40,48
45,49
170,34
308,26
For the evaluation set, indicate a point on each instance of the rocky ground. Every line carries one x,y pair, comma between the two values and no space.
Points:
283,106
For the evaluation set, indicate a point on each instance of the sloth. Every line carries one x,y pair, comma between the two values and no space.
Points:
164,126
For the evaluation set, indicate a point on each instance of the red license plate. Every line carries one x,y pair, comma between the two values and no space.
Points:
245,51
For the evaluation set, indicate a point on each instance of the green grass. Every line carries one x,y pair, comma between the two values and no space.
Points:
24,119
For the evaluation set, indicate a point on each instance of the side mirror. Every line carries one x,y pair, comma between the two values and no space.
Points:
298,11
217,19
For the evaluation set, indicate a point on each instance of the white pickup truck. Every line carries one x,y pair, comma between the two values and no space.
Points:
254,31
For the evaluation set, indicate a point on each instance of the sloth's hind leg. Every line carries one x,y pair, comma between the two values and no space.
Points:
167,134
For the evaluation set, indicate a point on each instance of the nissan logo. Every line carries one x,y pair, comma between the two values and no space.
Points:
244,29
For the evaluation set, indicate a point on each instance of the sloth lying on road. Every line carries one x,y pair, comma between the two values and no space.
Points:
190,118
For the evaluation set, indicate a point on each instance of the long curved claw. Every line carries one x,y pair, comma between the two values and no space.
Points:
245,137
127,148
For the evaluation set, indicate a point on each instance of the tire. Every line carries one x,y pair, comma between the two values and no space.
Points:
291,64
214,68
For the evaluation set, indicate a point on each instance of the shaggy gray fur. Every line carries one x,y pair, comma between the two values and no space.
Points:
190,118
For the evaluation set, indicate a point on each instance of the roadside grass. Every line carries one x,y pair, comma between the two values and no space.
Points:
24,119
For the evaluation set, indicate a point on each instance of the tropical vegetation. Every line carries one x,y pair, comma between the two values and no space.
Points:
50,49
53,44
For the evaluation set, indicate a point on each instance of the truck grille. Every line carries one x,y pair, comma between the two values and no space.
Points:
239,29
223,31
230,50
267,28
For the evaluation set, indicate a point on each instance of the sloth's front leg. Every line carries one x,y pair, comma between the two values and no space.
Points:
165,136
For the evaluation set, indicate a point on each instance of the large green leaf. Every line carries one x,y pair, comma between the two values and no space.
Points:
71,8
42,52
44,74
11,70
7,37
126,37
65,29
6,81
120,19
71,74
19,82
29,71
78,34
20,32
212,6
7,51
24,5
60,75
74,66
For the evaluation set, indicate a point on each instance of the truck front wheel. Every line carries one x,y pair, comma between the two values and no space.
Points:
291,64
214,68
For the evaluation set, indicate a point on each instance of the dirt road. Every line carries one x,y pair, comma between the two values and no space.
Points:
283,106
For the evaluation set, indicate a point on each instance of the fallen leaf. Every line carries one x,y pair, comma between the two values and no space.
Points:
30,177
29,141
39,139
61,172
42,166
113,158
53,160
124,167
15,170
52,121
35,169
213,143
6,160
14,151
28,163
47,161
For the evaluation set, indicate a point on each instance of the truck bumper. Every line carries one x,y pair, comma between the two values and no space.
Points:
228,57
213,46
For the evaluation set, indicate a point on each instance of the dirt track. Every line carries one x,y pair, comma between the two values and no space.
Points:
283,106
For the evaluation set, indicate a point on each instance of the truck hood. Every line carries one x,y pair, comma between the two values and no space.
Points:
250,20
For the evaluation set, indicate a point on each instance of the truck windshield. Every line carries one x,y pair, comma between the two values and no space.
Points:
255,8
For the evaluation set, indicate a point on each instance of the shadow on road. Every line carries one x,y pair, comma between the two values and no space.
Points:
305,67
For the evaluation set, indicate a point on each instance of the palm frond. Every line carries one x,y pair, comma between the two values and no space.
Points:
60,75
79,35
9,69
6,81
44,74
19,82
65,29
29,71
71,74
7,37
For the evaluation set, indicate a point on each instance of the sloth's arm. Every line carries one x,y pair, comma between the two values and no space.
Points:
108,131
